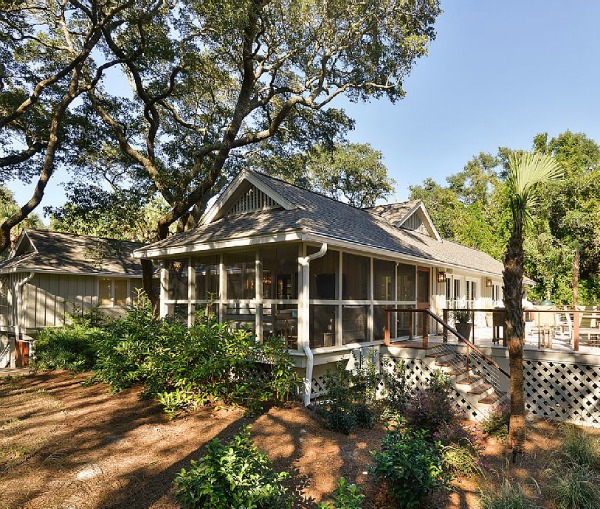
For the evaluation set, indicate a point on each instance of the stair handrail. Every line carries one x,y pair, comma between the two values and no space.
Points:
446,326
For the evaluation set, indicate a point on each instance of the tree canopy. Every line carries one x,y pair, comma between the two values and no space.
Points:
472,209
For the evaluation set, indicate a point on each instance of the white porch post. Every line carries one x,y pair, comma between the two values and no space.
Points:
191,293
164,286
258,296
222,289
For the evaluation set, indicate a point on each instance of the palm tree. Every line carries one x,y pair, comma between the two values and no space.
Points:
526,172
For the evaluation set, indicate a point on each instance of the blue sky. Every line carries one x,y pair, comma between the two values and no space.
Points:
499,72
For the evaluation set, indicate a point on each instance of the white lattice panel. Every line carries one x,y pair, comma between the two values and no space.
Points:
567,392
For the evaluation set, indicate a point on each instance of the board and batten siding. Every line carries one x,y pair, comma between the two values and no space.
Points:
50,297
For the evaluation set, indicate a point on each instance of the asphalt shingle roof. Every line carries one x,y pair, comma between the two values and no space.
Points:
319,214
66,252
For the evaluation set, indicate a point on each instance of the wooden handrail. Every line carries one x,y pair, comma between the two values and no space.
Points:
445,326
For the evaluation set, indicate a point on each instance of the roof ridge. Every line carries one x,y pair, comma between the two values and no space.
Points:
81,236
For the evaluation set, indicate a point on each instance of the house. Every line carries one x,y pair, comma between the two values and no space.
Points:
50,276
280,260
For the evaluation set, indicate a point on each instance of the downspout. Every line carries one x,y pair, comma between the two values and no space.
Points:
17,299
305,262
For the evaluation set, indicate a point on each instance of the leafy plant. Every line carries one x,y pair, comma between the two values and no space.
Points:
345,496
340,411
461,459
232,474
510,496
462,315
72,347
432,407
397,388
411,464
496,423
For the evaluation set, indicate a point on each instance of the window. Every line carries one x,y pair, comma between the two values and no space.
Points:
240,275
113,292
457,295
471,293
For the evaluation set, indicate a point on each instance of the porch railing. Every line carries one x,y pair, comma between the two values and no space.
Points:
476,362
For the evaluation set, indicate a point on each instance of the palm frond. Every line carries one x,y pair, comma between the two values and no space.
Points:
529,169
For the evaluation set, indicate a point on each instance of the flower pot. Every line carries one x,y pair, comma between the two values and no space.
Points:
464,329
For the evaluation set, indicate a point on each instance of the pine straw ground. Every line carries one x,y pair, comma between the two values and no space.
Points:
66,445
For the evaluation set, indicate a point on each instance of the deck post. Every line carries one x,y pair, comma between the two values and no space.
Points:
386,332
445,315
425,330
576,330
410,325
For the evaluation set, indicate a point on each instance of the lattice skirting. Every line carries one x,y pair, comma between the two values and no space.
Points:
419,371
562,391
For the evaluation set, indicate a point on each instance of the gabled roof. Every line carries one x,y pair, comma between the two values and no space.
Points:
310,216
47,251
399,214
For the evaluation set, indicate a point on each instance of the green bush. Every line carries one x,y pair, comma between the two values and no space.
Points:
232,475
510,496
341,411
411,464
184,367
496,423
432,407
345,496
397,388
72,347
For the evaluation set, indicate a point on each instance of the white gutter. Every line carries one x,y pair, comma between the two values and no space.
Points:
305,262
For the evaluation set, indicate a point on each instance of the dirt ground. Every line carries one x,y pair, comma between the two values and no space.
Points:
70,446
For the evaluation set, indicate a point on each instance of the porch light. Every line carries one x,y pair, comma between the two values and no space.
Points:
488,282
441,276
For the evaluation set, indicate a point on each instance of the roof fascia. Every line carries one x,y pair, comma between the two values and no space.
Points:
386,253
230,191
420,207
15,270
223,244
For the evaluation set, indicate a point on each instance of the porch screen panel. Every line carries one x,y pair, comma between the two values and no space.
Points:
207,278
322,325
280,273
240,275
354,324
177,280
404,323
281,320
383,280
324,274
379,322
406,282
355,278
241,316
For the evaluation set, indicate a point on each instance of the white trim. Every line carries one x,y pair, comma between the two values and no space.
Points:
15,270
221,205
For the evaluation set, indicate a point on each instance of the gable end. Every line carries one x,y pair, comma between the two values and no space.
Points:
252,200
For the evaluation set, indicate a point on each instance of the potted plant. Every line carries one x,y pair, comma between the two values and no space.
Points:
462,321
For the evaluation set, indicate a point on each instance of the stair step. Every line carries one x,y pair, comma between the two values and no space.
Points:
490,399
457,371
481,389
446,363
471,380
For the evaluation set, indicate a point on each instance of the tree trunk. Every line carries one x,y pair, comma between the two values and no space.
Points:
515,327
147,282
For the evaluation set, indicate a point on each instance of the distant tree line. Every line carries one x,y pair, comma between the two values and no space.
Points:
472,209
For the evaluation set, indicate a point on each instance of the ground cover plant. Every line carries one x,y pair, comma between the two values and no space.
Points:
232,474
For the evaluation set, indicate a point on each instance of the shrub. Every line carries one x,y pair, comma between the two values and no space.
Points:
510,496
496,424
411,464
576,487
340,411
72,347
579,448
432,407
345,496
462,448
397,388
232,474
184,367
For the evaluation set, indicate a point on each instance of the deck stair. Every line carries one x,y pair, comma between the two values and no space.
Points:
477,387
